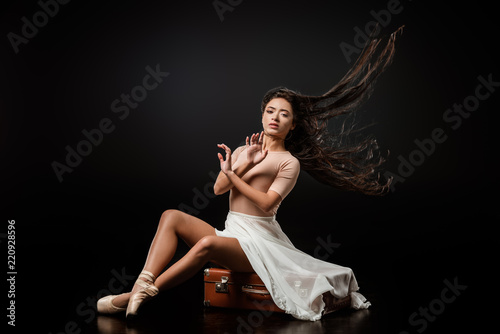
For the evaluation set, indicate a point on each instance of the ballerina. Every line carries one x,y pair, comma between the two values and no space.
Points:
259,175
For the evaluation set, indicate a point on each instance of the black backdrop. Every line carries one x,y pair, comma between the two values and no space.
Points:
71,74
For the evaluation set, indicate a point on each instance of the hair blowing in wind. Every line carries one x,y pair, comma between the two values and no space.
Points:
340,159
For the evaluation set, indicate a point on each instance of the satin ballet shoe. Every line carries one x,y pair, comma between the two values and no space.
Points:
105,305
140,297
148,276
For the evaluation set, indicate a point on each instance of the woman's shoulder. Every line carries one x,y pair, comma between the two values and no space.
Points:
286,159
294,161
292,158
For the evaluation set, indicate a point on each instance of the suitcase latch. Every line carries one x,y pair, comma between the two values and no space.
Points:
221,287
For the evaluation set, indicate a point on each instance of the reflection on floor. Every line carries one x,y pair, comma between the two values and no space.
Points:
232,321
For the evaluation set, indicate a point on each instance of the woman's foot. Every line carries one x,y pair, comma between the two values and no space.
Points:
143,291
113,304
121,301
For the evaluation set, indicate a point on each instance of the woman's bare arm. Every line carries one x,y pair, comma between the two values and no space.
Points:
254,156
265,201
223,184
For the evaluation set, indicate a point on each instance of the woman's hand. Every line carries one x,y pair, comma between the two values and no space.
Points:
254,149
225,165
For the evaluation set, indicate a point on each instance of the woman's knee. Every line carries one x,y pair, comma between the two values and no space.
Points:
169,219
168,213
205,246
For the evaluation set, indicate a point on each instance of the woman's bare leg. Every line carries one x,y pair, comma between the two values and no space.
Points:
173,224
223,251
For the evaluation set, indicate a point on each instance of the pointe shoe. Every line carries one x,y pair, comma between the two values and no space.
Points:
140,297
148,276
105,305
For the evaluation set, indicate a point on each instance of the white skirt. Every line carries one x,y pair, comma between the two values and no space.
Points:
295,279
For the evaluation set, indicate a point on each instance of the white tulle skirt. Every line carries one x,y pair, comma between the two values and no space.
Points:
295,279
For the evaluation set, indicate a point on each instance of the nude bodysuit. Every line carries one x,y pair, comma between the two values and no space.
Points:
277,172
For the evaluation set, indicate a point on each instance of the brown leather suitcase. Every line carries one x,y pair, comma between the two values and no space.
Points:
225,288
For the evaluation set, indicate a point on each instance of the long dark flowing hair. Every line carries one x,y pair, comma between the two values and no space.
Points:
332,158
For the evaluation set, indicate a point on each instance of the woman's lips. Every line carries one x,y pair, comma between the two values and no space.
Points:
273,125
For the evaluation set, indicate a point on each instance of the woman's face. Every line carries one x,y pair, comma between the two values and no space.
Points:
277,118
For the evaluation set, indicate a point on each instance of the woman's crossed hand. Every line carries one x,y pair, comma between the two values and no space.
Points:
255,154
225,165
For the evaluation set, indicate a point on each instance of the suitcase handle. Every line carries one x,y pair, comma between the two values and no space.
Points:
250,289
256,293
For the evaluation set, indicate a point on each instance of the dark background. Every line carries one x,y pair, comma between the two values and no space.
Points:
437,225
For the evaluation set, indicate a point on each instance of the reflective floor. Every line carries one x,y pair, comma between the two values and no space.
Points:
442,290
216,320
181,311
224,321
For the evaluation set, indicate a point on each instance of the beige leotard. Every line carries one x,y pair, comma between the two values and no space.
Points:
278,172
